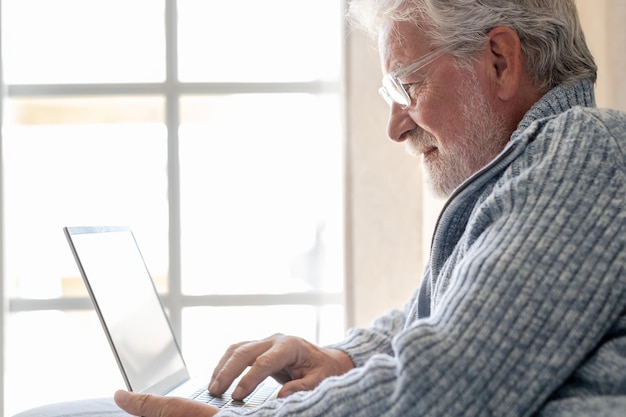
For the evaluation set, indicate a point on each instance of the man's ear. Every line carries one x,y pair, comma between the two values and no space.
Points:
505,59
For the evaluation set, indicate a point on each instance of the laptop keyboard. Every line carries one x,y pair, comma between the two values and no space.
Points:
257,397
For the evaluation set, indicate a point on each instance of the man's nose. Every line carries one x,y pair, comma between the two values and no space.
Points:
400,123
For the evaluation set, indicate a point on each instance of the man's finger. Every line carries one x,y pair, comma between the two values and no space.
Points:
137,404
225,358
237,361
155,406
273,362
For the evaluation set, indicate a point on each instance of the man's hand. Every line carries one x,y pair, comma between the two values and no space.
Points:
292,361
155,406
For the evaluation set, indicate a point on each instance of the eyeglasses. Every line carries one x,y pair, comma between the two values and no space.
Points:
394,91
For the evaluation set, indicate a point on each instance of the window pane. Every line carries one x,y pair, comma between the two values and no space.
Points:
261,194
83,41
111,172
208,331
56,356
251,40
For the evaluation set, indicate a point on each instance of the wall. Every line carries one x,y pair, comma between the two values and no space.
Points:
390,215
384,197
603,23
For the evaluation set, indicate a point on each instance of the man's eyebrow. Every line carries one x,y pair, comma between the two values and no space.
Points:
414,74
396,67
399,67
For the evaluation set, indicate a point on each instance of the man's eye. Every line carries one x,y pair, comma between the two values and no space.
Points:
413,89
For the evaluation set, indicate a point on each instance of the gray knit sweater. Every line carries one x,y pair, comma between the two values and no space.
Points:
522,309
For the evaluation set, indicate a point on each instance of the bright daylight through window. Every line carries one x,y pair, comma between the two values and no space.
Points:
213,129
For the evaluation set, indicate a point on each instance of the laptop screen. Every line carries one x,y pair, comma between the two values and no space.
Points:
128,305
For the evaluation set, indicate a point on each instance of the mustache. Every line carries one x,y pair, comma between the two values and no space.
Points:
419,142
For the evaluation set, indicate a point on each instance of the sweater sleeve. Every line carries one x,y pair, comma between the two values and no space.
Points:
529,290
363,343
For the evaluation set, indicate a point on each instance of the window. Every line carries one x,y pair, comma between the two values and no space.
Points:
214,130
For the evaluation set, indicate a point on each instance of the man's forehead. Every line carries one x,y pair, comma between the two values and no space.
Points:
398,40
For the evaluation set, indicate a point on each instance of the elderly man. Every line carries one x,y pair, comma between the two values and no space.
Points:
522,308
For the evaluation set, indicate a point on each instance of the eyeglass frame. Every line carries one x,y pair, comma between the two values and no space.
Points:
391,82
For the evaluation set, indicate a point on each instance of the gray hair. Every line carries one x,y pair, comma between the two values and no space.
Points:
551,36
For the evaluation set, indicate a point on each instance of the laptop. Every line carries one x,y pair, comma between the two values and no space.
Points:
134,320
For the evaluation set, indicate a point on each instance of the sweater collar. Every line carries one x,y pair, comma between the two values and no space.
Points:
558,100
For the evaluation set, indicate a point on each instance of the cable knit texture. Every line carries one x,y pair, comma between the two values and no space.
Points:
522,310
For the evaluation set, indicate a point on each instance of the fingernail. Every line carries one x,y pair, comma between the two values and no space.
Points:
214,387
237,394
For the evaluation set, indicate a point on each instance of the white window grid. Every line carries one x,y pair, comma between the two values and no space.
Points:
172,90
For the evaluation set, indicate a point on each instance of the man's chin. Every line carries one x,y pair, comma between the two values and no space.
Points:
437,190
440,181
